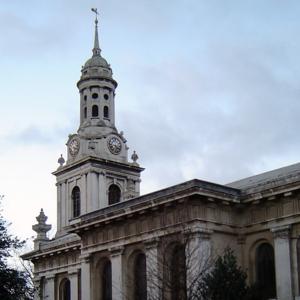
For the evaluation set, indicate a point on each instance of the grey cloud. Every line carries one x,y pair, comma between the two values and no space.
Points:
232,120
34,135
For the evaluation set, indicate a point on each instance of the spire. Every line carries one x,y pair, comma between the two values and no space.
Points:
96,49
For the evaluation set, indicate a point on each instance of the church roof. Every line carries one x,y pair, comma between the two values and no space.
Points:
268,179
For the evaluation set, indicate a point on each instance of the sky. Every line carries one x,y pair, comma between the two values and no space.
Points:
207,89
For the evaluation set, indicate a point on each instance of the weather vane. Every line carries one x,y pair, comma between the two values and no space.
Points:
94,10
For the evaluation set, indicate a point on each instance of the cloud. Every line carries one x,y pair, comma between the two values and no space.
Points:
207,89
227,119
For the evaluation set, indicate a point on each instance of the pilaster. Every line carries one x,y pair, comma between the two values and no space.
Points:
116,270
85,277
152,269
84,194
198,256
38,289
102,190
58,187
63,204
73,277
281,236
89,192
49,287
95,193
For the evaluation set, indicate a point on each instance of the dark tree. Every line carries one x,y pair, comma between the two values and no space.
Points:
14,284
226,281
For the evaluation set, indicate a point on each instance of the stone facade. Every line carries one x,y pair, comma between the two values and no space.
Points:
112,243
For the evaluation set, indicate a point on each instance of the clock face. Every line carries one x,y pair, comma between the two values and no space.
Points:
114,145
74,147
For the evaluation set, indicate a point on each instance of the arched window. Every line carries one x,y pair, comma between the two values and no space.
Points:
114,194
178,273
85,112
265,271
76,201
95,111
65,290
140,277
105,112
106,281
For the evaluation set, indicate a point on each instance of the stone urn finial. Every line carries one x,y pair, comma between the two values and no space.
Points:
41,228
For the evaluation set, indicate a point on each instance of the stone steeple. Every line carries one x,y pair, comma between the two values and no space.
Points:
97,172
97,110
96,49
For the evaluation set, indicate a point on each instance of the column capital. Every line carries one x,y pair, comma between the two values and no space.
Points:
198,232
94,171
116,251
151,243
86,257
282,232
73,272
50,277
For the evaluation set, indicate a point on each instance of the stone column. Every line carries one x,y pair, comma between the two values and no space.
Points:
152,265
198,256
89,190
283,262
83,194
95,201
58,187
68,204
49,287
73,277
102,190
63,204
116,273
85,277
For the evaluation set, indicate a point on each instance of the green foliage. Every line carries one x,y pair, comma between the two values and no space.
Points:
226,281
14,284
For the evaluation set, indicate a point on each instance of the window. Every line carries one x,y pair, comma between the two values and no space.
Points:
106,96
114,194
140,277
65,290
95,111
265,270
178,273
85,112
76,201
106,281
94,95
105,112
85,97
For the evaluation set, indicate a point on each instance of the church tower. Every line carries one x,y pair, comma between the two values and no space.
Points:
97,172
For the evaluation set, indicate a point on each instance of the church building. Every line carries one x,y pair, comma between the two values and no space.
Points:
114,244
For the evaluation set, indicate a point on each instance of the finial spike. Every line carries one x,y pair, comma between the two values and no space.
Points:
96,49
